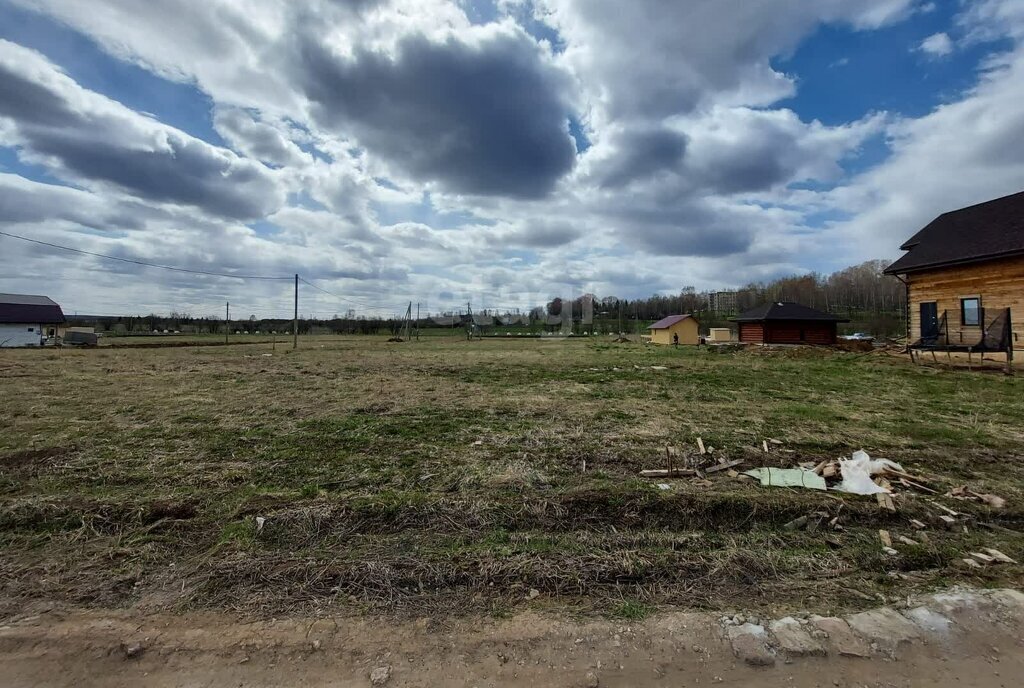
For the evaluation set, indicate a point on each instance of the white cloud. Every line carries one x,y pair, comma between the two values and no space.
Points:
964,152
89,139
397,152
936,45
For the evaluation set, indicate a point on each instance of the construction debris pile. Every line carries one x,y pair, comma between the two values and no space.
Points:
693,466
859,474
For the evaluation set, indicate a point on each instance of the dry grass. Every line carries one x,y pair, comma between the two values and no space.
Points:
448,476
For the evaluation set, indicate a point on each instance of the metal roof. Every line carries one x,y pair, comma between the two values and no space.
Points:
786,310
27,299
993,229
28,309
668,322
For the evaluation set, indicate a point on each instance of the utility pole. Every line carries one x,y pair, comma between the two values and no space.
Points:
227,320
417,321
295,318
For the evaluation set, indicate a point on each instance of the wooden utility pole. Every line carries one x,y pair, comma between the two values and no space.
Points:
295,317
417,322
227,320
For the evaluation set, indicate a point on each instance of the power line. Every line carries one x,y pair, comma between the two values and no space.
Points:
142,262
346,299
214,274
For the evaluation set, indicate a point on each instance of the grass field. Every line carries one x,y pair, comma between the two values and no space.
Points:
448,477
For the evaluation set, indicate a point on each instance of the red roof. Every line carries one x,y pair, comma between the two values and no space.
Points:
668,322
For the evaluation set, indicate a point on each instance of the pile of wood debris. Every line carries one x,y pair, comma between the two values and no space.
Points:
706,461
831,472
964,494
693,465
989,557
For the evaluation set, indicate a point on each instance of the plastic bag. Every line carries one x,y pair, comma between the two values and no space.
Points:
857,472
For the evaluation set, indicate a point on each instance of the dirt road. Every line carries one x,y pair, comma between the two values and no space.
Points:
980,646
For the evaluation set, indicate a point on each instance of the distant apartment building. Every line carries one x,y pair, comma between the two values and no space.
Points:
722,301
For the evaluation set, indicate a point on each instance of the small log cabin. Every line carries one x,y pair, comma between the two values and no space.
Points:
786,322
961,264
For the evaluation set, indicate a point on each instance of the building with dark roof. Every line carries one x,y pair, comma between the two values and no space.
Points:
785,322
675,329
25,319
961,265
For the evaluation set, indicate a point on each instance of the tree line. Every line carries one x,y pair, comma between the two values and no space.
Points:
871,300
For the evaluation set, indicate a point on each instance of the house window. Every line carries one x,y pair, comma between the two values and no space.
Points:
970,312
31,329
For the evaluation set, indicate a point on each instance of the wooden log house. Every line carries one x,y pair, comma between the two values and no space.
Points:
961,269
786,322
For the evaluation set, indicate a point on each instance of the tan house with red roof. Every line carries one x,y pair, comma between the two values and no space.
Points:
666,330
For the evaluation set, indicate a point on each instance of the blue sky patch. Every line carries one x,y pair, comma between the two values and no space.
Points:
843,74
182,106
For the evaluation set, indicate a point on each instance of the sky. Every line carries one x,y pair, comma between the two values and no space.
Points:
491,152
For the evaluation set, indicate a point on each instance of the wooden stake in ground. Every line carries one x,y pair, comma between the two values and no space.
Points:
670,457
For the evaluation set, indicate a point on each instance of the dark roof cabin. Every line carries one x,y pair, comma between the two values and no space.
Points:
964,273
990,230
785,322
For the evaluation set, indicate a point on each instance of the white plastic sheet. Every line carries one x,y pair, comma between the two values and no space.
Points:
857,472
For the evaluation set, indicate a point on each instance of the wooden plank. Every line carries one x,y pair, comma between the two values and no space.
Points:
796,523
723,466
911,483
996,554
700,446
944,508
668,473
903,474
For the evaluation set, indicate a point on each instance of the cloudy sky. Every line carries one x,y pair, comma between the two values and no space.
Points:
496,151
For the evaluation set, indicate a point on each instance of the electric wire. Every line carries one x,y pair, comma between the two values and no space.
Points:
142,262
